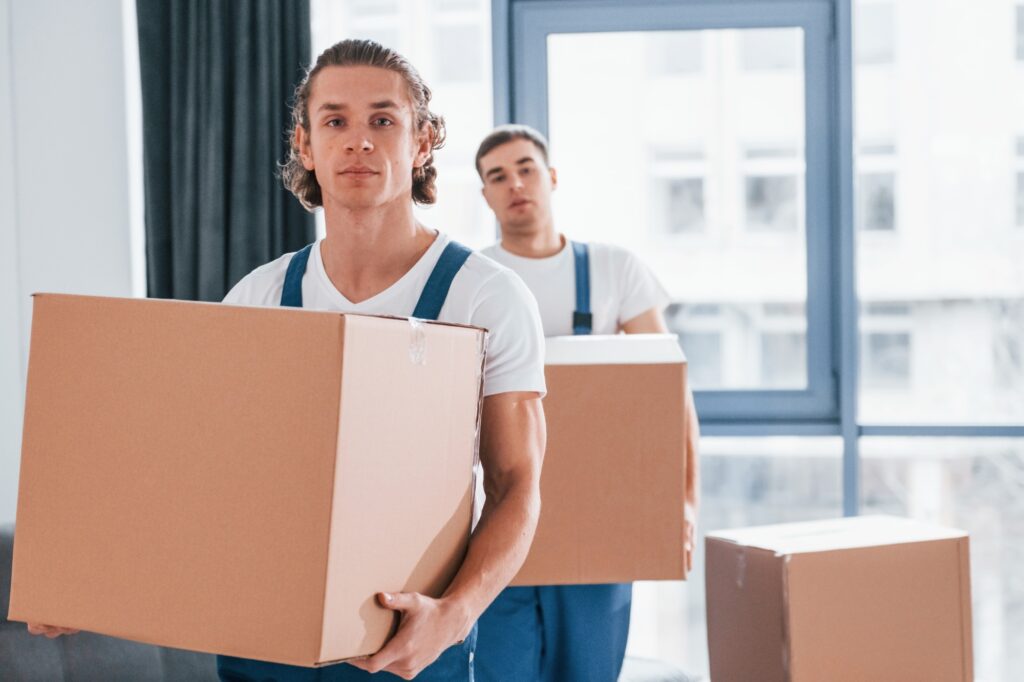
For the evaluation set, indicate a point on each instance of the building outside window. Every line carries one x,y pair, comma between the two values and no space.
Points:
679,186
876,188
772,185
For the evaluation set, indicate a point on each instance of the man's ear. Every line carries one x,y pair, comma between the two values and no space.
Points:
425,144
301,143
554,177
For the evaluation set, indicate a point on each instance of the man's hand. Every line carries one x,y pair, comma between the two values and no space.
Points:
689,539
427,628
51,631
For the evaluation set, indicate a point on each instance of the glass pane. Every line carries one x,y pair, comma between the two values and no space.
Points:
974,485
1020,32
875,32
744,482
939,205
705,182
449,42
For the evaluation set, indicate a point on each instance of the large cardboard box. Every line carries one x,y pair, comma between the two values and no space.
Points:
241,480
613,482
873,598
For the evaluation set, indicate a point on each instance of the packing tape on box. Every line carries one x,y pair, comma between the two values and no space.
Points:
417,342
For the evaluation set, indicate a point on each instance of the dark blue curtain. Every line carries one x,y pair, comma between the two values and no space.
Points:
217,80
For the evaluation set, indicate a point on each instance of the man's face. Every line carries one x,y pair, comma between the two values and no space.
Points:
362,142
518,185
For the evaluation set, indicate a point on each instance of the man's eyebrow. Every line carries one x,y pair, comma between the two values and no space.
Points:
499,169
332,106
339,106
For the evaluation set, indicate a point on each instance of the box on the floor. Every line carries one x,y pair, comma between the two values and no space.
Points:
875,598
241,480
613,481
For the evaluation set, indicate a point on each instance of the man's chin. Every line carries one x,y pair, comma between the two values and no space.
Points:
521,226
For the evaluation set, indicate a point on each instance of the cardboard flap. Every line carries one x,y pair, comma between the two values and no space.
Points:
833,534
613,349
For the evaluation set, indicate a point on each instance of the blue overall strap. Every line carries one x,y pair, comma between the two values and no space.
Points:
436,289
582,320
291,294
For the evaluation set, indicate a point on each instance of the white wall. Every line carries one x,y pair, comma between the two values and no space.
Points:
64,182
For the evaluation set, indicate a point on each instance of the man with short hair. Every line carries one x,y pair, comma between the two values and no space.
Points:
564,632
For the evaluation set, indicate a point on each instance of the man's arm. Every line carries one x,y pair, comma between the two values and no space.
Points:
652,322
512,440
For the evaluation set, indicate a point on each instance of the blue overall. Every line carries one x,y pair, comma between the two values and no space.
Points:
456,663
557,633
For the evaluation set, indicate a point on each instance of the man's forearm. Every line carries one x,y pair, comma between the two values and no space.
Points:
497,548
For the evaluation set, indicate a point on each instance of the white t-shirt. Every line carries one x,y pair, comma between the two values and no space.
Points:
483,294
621,286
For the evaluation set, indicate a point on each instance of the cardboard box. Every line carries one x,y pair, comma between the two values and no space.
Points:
613,483
241,480
847,600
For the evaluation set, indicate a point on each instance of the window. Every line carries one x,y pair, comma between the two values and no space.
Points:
876,188
717,209
874,32
675,53
1020,199
769,49
936,273
1008,360
704,357
1020,32
685,199
877,201
783,357
772,189
1019,193
771,202
679,191
885,359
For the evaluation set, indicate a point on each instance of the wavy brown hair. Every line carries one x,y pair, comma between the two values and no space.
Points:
301,182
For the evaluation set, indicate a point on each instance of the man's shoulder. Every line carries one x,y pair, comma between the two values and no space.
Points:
609,250
483,268
254,288
486,281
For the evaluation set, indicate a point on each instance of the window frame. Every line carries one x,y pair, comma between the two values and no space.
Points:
829,406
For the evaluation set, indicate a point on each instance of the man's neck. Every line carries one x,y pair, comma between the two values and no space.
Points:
368,250
541,243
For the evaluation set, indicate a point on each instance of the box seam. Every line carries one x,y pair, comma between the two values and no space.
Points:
342,329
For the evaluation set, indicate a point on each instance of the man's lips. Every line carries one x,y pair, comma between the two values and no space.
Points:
518,203
358,171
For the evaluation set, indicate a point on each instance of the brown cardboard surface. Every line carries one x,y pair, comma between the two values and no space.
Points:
881,611
612,487
184,481
745,611
406,464
896,610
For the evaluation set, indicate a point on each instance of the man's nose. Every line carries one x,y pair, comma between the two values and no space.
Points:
358,140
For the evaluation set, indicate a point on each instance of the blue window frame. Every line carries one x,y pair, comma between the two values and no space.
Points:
828,405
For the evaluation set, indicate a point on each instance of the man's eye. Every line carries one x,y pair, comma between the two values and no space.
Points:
498,178
383,122
334,122
527,171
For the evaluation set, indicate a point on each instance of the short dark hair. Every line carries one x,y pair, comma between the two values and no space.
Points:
507,133
301,182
